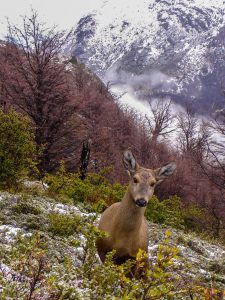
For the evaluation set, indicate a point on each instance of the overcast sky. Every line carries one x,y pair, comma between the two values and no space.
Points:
63,13
66,13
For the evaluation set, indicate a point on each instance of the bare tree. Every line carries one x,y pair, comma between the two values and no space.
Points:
160,124
204,146
214,166
193,134
35,80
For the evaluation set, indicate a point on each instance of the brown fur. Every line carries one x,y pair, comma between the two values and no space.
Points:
124,222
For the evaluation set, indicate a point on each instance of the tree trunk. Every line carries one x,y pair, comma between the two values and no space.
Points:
85,156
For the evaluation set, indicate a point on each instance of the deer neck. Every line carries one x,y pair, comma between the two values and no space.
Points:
130,216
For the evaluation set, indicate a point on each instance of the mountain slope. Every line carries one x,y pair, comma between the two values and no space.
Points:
157,47
92,114
51,244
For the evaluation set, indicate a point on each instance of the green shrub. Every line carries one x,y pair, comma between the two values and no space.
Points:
17,147
167,212
171,212
27,259
26,208
95,189
37,222
63,225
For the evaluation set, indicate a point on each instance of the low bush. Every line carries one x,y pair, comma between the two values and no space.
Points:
95,189
63,225
171,212
24,207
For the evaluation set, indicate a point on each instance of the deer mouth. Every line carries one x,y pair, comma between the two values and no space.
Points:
141,202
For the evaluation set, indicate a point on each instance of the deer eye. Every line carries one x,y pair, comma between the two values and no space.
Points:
135,180
152,183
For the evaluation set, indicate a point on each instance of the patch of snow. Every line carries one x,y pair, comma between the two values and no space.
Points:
9,232
36,184
6,272
210,4
67,209
82,239
152,248
202,271
4,195
10,229
10,275
80,250
61,209
214,252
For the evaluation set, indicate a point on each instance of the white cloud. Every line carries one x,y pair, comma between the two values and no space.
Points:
128,99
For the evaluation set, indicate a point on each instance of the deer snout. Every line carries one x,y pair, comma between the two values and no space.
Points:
141,202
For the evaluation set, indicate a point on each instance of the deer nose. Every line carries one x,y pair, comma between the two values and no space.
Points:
141,202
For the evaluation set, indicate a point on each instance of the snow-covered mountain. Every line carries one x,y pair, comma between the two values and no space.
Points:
158,48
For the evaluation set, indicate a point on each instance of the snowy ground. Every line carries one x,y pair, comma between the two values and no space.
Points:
206,259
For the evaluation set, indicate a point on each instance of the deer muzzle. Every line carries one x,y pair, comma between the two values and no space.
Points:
141,202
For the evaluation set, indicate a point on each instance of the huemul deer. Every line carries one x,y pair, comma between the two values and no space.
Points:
124,221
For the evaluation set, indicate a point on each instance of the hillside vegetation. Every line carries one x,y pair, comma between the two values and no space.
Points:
52,108
48,247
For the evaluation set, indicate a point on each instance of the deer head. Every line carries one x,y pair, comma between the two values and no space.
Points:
143,181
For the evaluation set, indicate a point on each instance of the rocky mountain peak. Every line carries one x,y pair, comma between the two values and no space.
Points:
158,48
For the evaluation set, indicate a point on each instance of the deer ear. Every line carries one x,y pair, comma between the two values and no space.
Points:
129,161
165,171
